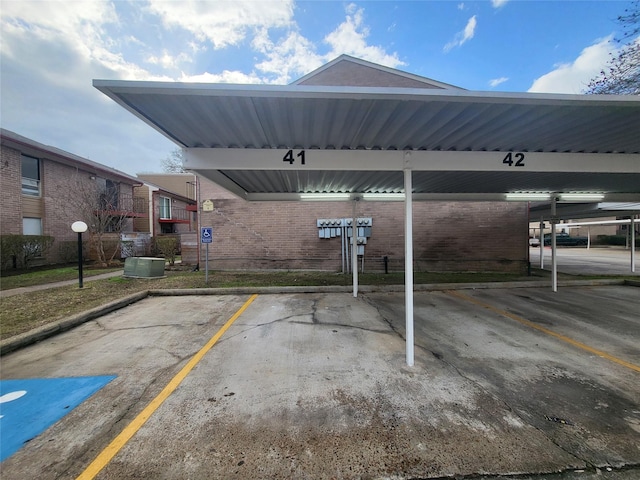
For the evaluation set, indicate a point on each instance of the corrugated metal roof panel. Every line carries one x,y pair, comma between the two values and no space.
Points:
336,118
416,120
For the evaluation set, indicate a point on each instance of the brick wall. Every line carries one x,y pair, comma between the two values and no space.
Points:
11,183
448,236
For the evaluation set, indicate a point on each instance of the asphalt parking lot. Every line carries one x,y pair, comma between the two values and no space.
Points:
509,381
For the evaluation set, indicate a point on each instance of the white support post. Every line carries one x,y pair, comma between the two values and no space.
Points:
554,263
632,231
541,246
354,249
408,265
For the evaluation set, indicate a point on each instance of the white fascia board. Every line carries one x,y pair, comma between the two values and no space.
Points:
203,159
113,89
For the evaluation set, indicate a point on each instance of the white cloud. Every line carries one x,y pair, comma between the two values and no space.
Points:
461,6
497,81
574,77
294,55
227,76
64,42
463,36
168,61
223,23
350,38
498,3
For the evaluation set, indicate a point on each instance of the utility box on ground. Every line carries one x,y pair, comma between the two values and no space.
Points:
144,267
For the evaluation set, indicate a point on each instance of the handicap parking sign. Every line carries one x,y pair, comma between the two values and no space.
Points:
206,235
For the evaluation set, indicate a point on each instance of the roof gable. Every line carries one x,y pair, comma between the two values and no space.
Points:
354,72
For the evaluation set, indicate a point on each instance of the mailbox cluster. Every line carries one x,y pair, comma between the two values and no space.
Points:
343,228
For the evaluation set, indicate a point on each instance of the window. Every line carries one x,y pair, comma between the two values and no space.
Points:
31,226
109,194
30,176
165,208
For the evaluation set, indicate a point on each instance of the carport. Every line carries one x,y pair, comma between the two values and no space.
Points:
589,210
299,142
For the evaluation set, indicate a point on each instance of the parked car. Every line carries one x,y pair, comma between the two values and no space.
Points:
566,240
534,242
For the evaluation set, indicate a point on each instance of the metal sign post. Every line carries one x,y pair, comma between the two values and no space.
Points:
206,237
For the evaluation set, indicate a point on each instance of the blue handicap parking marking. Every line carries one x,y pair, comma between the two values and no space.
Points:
28,407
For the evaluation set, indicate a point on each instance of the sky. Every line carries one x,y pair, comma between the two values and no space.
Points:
50,52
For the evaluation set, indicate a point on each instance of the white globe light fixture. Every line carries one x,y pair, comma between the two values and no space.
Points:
79,227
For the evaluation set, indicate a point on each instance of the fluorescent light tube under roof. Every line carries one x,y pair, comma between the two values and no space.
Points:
528,196
325,196
581,196
389,197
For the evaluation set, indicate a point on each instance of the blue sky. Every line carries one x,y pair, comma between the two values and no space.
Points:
52,50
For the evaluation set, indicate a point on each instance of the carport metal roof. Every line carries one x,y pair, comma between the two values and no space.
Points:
359,139
584,210
294,142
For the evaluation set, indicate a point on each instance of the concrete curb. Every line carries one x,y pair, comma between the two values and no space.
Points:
41,333
432,287
46,331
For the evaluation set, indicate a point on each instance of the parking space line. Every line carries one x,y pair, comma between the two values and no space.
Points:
531,324
130,430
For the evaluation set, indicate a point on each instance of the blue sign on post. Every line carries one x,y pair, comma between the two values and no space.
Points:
206,235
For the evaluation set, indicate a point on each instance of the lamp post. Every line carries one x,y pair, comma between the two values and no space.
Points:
79,228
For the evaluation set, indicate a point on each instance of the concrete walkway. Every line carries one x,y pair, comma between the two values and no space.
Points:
46,286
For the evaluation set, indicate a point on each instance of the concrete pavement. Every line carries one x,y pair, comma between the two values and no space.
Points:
315,386
592,261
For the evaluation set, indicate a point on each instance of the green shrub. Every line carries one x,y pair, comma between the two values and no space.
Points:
19,250
619,240
167,247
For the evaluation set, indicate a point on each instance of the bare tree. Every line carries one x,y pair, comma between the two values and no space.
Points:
173,163
100,204
622,74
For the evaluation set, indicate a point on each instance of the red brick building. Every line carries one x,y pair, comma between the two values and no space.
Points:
45,190
448,236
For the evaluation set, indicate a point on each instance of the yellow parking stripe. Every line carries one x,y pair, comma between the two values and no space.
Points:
130,430
559,336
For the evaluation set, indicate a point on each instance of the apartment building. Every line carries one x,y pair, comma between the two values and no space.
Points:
45,189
